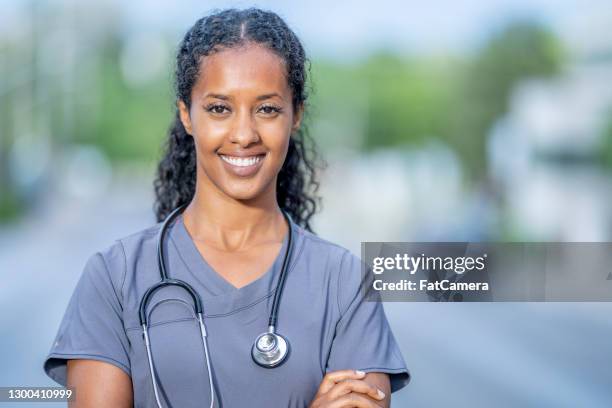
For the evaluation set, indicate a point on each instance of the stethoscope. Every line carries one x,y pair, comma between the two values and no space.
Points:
270,348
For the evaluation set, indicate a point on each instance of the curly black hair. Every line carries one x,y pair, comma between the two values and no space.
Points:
297,182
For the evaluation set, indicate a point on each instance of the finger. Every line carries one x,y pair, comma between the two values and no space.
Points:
353,400
334,377
358,386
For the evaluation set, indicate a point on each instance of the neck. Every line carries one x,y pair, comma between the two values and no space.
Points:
234,225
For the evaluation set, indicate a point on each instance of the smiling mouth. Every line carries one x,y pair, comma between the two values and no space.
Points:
242,161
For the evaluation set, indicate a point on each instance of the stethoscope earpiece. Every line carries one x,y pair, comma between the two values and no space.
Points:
270,349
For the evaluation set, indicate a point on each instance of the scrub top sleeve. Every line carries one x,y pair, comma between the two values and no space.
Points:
92,326
363,339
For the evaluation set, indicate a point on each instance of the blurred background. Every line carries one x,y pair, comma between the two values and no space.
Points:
480,120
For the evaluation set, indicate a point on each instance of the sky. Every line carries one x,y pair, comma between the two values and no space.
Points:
345,29
333,28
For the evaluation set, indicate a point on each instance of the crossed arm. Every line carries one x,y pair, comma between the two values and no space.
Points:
350,389
99,384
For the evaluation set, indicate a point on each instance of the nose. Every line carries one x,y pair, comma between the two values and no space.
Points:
244,131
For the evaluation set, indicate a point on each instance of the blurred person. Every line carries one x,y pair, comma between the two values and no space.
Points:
184,325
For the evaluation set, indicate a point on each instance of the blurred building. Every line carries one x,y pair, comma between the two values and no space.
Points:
547,152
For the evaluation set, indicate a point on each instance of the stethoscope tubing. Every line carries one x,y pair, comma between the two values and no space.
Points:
198,306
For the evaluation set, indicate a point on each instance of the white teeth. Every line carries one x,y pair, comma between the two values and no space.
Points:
241,161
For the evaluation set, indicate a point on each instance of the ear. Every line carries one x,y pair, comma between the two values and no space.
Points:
297,118
184,115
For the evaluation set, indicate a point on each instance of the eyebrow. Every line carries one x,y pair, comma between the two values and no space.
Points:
225,97
217,96
267,96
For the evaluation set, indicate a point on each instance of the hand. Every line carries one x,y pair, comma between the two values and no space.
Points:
344,389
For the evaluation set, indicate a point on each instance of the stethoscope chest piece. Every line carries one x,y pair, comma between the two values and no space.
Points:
270,350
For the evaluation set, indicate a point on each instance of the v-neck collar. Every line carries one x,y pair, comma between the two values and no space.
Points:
220,296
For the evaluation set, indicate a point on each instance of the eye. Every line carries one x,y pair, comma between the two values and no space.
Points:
216,108
270,110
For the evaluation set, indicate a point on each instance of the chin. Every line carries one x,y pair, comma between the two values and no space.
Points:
244,192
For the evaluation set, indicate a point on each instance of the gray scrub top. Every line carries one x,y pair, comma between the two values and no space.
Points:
321,314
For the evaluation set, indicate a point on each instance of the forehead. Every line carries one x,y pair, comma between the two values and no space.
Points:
250,68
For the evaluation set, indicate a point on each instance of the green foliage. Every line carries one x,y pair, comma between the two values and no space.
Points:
397,101
522,50
129,123
409,101
606,143
9,205
387,101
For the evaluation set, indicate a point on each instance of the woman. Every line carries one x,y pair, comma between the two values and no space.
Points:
235,164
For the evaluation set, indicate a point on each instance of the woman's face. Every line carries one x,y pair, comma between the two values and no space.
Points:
241,118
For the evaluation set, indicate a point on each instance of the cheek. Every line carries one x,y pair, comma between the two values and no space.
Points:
210,134
208,137
275,136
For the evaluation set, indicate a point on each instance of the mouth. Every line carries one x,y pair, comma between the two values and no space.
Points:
242,166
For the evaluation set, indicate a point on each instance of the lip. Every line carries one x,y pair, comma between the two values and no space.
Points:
243,171
242,153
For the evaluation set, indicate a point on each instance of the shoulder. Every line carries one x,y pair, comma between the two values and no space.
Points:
128,244
112,262
341,267
138,239
318,247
